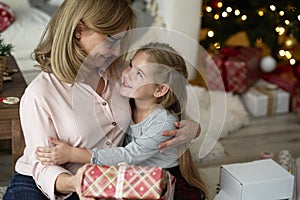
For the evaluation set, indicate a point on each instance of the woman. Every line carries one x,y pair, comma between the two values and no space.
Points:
156,83
73,109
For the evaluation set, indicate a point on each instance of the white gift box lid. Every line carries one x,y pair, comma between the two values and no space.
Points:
257,180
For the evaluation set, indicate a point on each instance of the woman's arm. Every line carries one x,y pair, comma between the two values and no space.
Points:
186,131
37,127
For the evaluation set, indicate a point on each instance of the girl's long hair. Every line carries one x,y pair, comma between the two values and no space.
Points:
173,67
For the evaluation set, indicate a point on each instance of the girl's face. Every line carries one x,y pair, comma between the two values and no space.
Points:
138,79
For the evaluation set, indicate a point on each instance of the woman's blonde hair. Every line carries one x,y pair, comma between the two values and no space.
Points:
166,56
60,52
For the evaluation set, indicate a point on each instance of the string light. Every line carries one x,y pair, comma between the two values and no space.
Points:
210,34
244,17
287,22
292,61
237,12
217,45
260,13
281,13
272,7
220,4
299,17
282,52
224,14
288,55
229,9
216,16
280,30
208,9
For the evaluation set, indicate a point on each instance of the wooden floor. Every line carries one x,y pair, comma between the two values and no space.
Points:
272,134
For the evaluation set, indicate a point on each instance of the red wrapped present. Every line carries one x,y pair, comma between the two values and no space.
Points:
234,69
283,76
295,99
127,182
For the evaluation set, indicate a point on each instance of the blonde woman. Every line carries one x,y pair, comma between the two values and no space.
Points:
79,31
155,82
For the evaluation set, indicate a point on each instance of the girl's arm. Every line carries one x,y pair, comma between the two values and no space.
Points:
139,150
62,153
135,152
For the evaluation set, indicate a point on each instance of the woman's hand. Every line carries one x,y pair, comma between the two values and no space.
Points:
186,131
77,180
55,155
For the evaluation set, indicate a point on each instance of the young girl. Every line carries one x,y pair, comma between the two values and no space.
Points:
155,82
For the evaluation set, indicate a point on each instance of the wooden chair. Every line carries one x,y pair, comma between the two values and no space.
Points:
18,142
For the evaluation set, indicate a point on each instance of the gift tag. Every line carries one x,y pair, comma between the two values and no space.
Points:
10,100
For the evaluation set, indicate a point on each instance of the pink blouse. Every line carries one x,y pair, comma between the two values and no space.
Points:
73,113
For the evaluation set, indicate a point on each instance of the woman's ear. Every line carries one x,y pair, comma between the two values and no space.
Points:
79,29
161,90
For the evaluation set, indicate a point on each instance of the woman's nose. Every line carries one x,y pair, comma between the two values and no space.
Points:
116,50
125,72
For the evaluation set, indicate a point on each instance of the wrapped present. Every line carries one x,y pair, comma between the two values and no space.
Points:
266,99
234,69
127,182
283,77
295,99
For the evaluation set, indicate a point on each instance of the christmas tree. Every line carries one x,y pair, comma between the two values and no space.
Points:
274,23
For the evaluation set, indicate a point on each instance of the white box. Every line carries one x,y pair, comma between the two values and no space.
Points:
257,102
257,180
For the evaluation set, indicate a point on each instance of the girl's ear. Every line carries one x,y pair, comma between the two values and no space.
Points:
79,29
161,90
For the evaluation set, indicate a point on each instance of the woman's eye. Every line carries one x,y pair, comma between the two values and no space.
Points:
139,74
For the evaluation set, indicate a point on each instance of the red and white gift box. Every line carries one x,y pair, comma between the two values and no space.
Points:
127,182
7,16
234,69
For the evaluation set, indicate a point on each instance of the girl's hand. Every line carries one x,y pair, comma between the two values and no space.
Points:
186,131
56,155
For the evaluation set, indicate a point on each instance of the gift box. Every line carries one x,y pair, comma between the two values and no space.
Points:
234,69
266,99
283,76
295,99
127,182
256,180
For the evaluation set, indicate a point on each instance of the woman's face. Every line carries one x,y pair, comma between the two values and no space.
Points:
100,46
138,79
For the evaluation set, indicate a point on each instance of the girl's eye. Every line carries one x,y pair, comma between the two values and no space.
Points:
130,64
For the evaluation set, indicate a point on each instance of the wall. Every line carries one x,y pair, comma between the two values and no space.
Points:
183,16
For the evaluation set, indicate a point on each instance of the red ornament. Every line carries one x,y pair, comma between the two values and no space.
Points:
214,4
296,70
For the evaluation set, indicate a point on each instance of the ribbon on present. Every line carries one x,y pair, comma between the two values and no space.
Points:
120,180
272,97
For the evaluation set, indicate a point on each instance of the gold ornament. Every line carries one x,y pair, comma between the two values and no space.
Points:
290,42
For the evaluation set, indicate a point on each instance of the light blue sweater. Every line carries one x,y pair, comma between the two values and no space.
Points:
142,144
